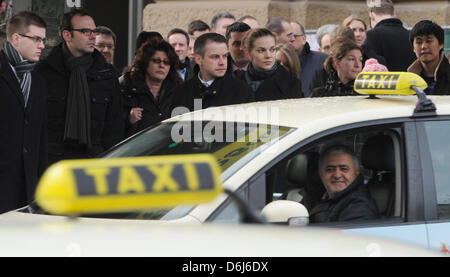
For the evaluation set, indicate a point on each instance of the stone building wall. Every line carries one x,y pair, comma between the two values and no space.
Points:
165,15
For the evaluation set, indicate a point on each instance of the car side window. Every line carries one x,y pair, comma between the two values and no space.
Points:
438,133
378,150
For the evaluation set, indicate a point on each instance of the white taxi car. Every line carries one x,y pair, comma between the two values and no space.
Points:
268,151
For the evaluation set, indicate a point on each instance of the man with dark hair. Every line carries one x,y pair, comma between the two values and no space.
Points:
282,30
210,84
221,21
310,61
347,198
23,111
179,40
238,59
85,111
250,21
195,29
105,42
427,40
145,36
388,38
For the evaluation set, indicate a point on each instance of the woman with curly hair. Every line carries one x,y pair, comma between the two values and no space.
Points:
146,86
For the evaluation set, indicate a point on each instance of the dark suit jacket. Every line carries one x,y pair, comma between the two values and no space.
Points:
23,137
391,41
310,61
223,91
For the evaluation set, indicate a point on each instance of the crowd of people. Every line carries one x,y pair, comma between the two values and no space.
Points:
75,104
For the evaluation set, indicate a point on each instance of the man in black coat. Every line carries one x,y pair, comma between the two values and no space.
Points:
310,61
388,38
179,40
347,198
237,59
84,101
210,85
23,107
427,39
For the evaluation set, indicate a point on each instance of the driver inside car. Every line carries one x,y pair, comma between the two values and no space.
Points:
347,198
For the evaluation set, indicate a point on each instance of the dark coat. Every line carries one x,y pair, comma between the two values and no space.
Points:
352,203
230,70
334,87
189,66
441,76
136,93
310,61
107,125
280,85
23,137
223,91
319,79
390,40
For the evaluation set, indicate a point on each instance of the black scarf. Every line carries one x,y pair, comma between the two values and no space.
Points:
255,77
78,114
22,67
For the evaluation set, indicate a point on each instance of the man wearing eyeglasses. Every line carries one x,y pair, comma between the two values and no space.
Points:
282,30
310,60
85,116
105,42
23,106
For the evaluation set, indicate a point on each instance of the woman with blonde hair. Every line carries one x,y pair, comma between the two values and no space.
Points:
287,57
342,67
358,27
267,79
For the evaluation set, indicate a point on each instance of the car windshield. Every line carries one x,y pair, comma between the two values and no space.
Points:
233,144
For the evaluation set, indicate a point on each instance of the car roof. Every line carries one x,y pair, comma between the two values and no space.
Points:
297,112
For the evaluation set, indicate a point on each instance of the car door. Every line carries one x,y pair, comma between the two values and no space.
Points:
435,149
406,222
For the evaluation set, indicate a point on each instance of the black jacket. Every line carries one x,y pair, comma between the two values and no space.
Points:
23,137
334,87
441,76
310,61
223,91
280,85
106,106
352,203
230,69
136,93
390,40
189,66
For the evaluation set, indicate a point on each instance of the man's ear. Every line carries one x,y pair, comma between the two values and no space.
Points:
66,35
198,59
14,39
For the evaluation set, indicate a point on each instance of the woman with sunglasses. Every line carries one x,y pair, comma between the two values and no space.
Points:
145,87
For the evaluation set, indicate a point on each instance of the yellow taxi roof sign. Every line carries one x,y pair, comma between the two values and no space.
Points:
388,83
128,184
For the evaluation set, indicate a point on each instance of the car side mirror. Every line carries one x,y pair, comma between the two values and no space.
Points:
286,211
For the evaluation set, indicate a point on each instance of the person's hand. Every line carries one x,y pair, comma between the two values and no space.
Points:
135,115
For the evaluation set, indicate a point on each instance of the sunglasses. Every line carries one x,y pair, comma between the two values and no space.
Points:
158,61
